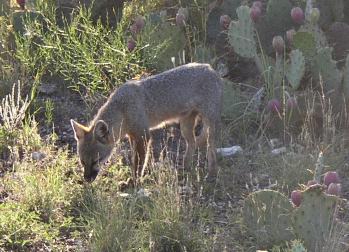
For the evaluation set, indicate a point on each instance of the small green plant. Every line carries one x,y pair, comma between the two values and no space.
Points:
49,109
13,109
90,56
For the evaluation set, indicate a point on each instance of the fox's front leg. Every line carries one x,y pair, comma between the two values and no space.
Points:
139,149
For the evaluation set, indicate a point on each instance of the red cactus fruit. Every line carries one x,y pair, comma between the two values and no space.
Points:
257,4
274,106
289,35
297,15
224,21
331,177
131,44
255,13
296,197
334,189
21,4
278,44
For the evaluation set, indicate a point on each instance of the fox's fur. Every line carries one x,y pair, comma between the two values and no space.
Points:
180,94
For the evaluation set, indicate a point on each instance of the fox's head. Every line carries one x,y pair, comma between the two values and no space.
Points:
94,146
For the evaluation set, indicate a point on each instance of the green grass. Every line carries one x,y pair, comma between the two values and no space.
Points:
91,57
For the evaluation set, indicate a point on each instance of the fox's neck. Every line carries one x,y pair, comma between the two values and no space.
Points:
113,117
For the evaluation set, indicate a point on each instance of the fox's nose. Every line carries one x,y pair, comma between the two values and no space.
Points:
91,176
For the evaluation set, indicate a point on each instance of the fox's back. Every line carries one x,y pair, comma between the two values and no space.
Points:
181,89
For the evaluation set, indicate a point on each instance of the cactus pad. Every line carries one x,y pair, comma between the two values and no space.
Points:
331,11
315,30
297,246
278,15
305,42
295,68
338,37
313,219
266,214
168,41
276,22
326,67
241,34
213,27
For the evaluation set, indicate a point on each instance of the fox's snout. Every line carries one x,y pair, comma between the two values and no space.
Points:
90,176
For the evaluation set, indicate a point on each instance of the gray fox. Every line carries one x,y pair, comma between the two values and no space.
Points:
180,94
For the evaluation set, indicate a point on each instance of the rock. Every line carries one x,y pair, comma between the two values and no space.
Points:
230,151
37,156
278,151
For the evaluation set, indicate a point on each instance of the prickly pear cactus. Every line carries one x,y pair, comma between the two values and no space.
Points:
297,246
241,34
313,219
203,54
305,42
325,66
315,30
165,42
267,215
338,38
295,68
276,21
213,27
331,11
278,15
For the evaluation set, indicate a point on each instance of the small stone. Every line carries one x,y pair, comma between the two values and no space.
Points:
37,156
279,151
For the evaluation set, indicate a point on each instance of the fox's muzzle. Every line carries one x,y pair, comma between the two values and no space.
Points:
91,176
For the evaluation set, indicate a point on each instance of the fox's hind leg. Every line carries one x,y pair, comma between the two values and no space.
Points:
187,124
212,128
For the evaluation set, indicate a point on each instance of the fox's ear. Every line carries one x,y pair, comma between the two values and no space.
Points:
79,130
101,131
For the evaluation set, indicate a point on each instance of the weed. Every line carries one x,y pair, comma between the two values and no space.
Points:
49,109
